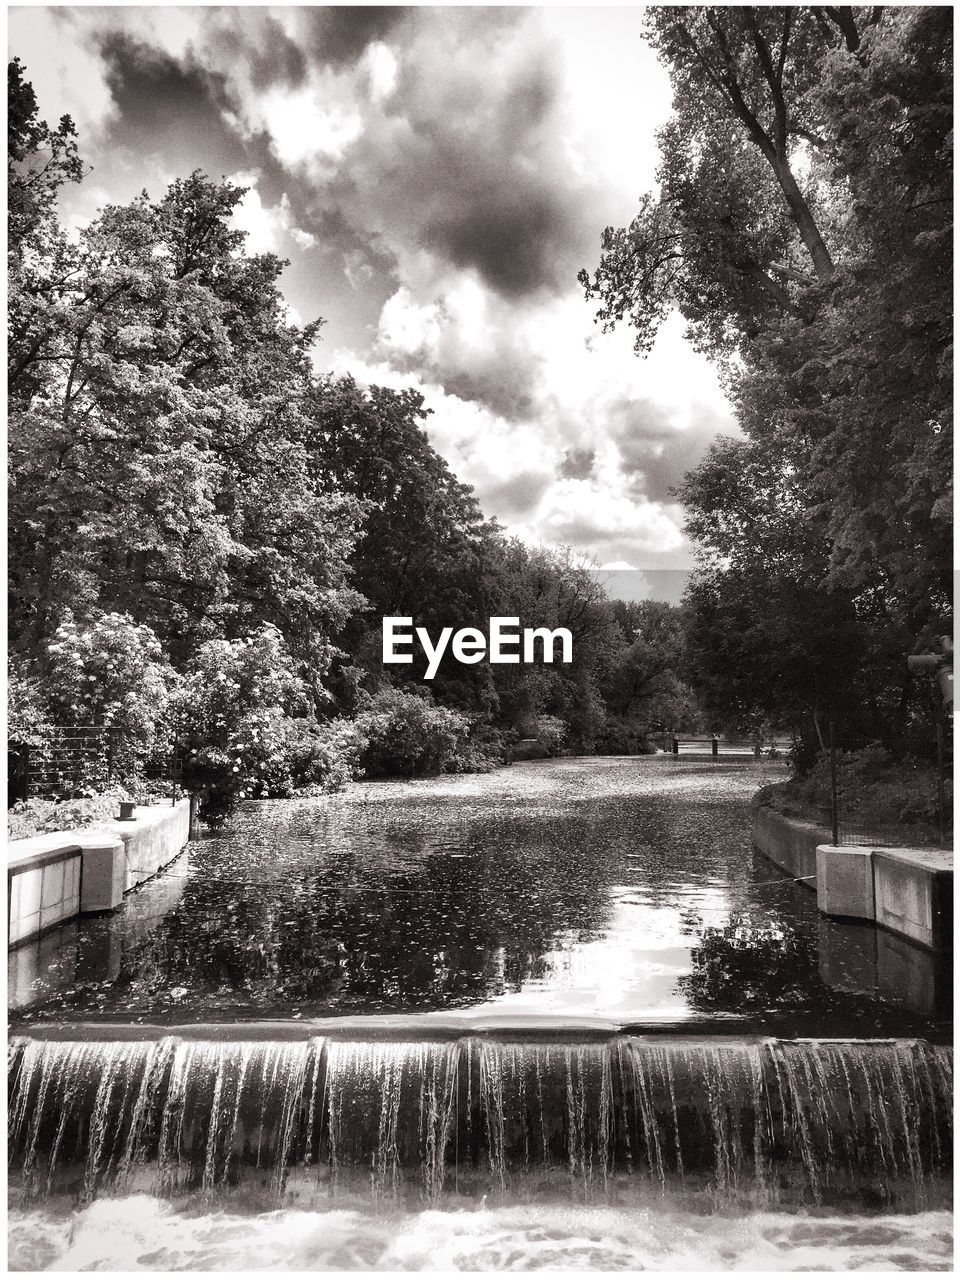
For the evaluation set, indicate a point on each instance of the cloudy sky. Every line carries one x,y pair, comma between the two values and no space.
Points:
436,177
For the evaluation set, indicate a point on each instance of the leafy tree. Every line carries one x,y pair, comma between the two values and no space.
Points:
644,687
802,229
423,543
158,463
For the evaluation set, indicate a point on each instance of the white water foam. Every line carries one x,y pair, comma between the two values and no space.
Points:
140,1233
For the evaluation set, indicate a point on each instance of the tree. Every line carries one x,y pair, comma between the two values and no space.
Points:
802,229
158,446
644,686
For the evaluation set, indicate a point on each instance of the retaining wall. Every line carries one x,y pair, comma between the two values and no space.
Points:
789,842
55,877
908,891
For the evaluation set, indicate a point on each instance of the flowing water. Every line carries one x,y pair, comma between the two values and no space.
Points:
521,1022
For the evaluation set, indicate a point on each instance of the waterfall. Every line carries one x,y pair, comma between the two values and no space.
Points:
718,1122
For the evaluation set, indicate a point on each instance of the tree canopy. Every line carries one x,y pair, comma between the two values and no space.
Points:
802,227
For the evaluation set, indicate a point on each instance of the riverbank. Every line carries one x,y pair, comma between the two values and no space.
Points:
56,876
906,890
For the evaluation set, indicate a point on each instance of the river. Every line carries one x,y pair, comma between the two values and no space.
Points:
557,1016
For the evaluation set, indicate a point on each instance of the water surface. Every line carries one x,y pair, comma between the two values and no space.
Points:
620,887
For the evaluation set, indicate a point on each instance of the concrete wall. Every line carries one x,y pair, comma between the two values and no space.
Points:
788,842
914,894
54,877
43,891
908,891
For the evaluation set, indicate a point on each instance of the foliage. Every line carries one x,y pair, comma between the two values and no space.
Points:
110,672
645,690
802,228
158,456
314,758
880,785
28,717
229,715
408,734
38,816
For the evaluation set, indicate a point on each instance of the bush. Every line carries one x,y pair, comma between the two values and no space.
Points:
408,734
231,715
37,816
551,734
881,788
314,758
110,672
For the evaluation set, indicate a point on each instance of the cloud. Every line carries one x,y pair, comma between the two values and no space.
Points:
269,228
436,176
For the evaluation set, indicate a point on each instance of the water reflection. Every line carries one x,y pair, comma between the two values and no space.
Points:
622,887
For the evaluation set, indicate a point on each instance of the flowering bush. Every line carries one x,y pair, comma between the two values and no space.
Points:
110,672
241,719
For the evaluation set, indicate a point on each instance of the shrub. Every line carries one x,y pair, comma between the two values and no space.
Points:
551,734
37,816
314,758
408,734
879,787
111,672
229,714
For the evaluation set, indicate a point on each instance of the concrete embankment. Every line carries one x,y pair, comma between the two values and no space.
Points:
54,877
906,890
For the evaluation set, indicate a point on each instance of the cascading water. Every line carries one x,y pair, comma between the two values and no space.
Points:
707,1123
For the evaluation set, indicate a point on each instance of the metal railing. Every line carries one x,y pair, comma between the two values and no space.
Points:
72,760
890,791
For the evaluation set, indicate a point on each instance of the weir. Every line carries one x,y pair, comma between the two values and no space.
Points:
715,1122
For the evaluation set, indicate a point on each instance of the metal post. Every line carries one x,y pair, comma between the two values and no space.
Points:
941,807
834,814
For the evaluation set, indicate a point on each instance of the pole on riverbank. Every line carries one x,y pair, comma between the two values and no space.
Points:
834,815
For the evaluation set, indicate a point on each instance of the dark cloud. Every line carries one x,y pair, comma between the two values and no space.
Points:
162,103
271,55
340,33
175,112
656,453
577,464
515,498
334,36
488,176
510,236
503,386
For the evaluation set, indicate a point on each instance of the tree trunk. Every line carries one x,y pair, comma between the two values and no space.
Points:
809,232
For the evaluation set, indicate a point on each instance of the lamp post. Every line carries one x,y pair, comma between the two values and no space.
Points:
939,664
